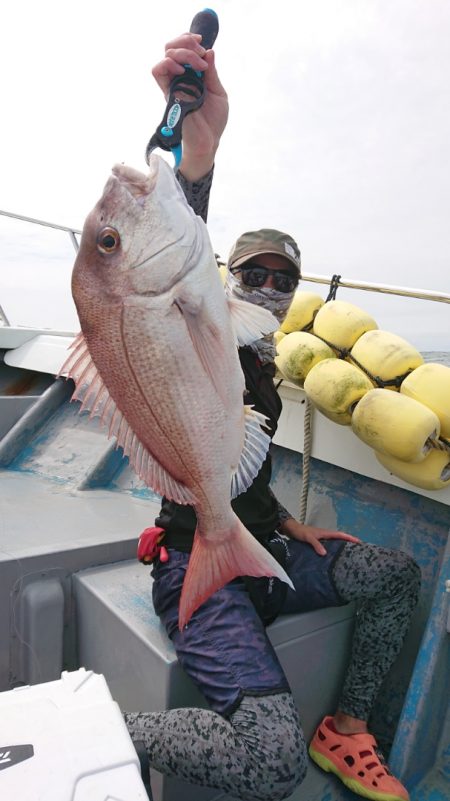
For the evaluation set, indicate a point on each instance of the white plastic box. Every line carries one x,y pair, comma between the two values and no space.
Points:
66,741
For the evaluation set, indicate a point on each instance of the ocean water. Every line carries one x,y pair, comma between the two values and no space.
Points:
441,356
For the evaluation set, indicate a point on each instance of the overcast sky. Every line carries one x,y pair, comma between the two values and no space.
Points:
339,133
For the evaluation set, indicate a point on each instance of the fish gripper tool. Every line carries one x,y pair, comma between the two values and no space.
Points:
186,94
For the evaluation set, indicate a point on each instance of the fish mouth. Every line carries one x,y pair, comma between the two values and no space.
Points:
135,182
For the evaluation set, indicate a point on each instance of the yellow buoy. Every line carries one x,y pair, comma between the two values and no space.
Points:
395,424
297,353
223,270
335,386
431,474
341,323
278,336
385,355
302,311
430,384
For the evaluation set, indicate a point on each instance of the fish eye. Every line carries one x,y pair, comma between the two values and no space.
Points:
108,240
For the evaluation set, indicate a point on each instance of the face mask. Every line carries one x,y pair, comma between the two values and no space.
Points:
267,297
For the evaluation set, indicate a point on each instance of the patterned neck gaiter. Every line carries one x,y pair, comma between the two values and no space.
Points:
269,298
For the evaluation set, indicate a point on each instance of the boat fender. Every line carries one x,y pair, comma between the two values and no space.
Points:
297,353
223,272
354,388
340,324
394,424
302,312
278,336
433,473
335,386
430,385
387,357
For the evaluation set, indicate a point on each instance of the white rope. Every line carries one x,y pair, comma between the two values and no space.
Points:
307,442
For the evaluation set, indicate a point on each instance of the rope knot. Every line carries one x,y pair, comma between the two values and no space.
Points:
334,285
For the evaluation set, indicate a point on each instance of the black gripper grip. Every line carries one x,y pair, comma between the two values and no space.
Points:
206,23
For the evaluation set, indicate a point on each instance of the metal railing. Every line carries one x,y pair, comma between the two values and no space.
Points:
387,289
71,231
407,292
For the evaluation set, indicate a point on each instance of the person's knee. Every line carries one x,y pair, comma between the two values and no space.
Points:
409,573
295,766
282,776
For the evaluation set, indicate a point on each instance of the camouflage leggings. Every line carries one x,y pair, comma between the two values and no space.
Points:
259,753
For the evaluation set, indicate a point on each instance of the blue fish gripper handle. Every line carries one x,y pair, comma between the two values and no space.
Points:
187,92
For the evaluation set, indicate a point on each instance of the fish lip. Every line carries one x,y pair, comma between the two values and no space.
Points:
138,185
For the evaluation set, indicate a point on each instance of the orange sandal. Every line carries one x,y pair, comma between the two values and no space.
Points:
356,760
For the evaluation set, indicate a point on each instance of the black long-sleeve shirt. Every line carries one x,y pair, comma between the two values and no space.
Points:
257,508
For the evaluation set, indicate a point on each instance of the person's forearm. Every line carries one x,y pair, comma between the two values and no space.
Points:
194,168
197,192
283,514
289,525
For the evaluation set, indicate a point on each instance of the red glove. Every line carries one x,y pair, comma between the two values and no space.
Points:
149,545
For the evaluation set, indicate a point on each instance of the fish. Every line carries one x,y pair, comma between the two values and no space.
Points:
157,362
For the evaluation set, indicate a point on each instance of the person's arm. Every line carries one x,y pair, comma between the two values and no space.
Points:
197,192
283,513
294,530
312,534
202,128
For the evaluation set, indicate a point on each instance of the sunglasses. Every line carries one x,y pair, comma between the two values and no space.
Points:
256,275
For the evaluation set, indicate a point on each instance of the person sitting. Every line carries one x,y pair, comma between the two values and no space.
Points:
250,742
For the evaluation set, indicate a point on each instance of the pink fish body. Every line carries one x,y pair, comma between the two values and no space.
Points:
157,361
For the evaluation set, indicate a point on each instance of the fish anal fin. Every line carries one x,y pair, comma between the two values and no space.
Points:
214,564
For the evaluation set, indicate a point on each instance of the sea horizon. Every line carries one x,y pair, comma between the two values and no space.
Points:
440,356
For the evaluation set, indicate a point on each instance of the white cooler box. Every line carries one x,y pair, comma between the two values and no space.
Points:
66,741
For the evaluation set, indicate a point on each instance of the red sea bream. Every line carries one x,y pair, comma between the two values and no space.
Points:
157,361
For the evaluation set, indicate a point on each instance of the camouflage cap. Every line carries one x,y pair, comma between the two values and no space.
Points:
266,240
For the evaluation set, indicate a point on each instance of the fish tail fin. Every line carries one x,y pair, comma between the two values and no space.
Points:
213,564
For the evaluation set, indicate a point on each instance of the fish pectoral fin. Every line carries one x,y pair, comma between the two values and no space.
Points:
211,566
188,302
95,398
254,452
207,342
250,322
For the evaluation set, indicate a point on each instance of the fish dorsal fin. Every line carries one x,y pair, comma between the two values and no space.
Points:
254,452
250,322
95,398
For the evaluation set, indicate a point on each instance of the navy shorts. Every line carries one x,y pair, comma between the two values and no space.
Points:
225,648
